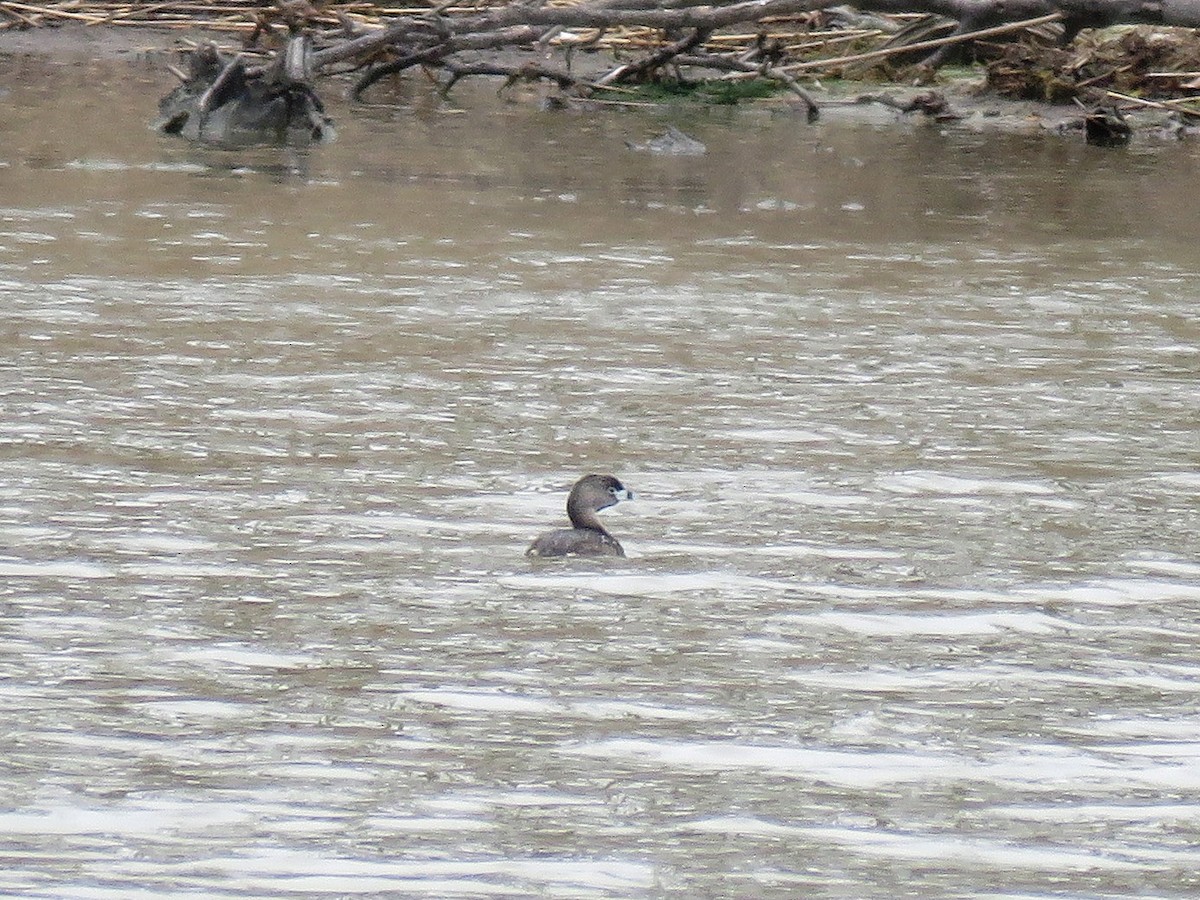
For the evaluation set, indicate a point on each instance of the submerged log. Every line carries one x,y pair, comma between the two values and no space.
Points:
226,100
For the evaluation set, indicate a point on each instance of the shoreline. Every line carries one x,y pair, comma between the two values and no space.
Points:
72,42
967,105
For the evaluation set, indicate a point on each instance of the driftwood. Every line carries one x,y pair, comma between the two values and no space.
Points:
426,38
685,35
226,100
680,40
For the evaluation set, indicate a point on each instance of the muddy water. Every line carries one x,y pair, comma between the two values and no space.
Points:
912,597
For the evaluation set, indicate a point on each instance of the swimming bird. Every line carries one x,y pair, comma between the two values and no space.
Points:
586,537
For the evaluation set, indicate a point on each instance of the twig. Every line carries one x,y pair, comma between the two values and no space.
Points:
922,45
512,74
1154,104
654,60
50,11
135,10
1177,101
744,68
26,20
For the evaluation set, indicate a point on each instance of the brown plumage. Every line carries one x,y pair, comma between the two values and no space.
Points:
587,537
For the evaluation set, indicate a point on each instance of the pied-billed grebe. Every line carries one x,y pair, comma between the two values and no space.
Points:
591,494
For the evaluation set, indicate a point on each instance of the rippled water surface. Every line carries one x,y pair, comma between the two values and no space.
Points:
912,601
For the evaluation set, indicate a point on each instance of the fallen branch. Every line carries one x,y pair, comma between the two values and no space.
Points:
51,11
757,71
593,15
659,58
27,21
765,39
1168,106
528,71
995,30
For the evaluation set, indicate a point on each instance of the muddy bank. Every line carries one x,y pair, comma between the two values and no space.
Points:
72,42
957,98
